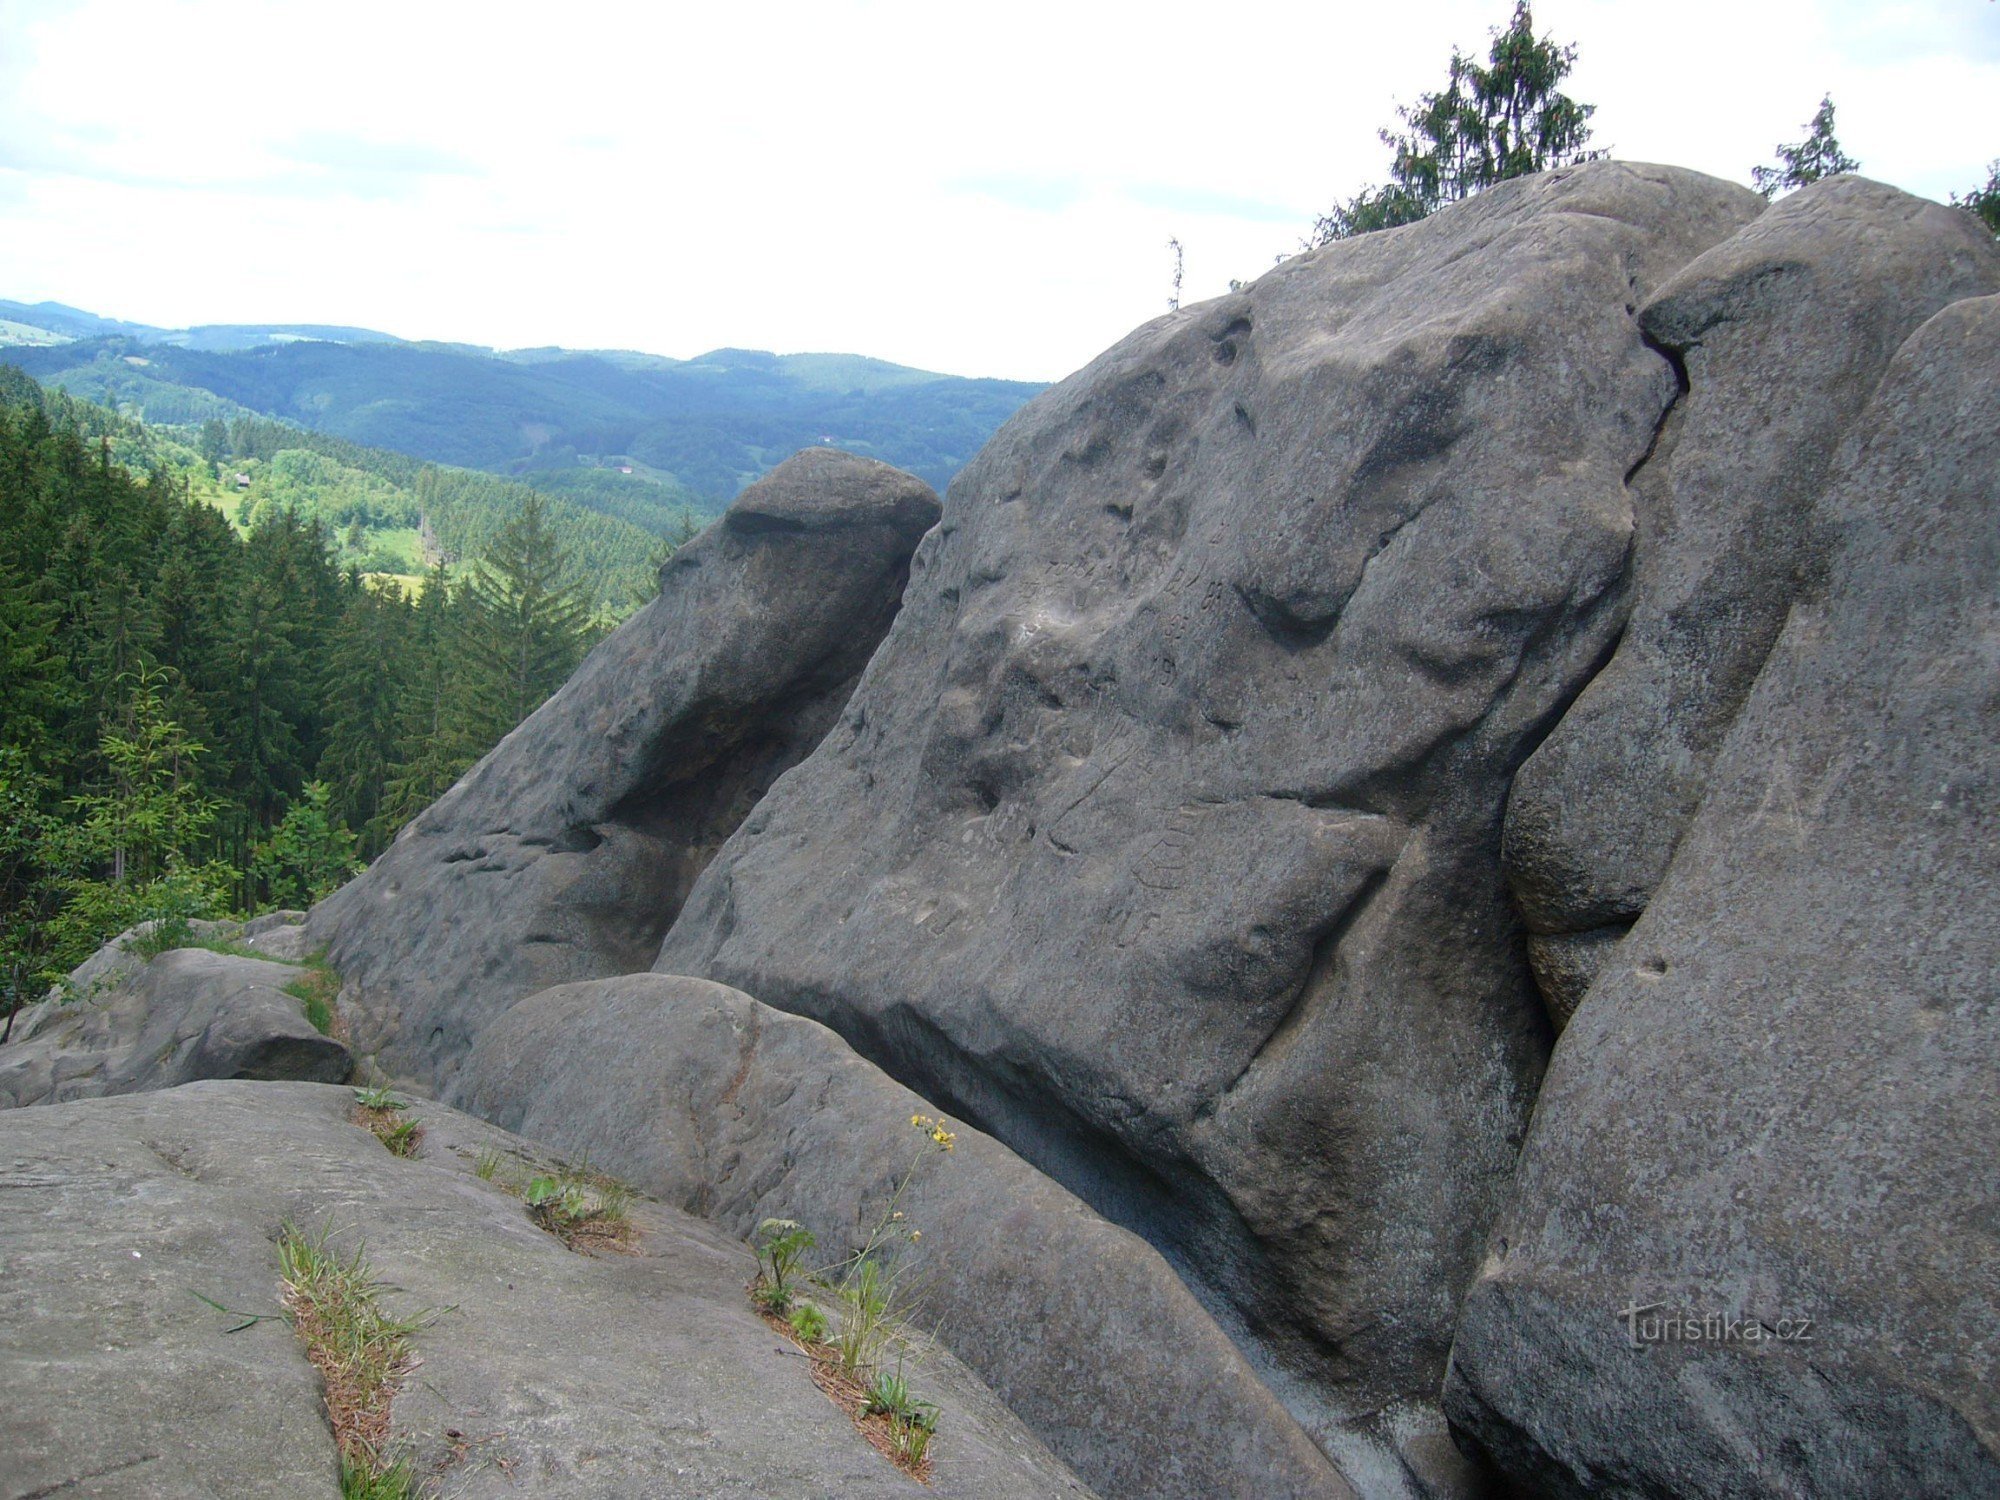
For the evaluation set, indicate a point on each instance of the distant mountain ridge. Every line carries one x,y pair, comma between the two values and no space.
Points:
707,425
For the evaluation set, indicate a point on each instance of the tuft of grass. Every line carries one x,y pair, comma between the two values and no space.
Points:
403,1137
166,934
316,990
367,1481
487,1164
889,1393
867,1317
585,1210
379,1112
360,1351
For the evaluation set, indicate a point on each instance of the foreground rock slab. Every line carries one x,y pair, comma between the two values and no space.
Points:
738,1112
565,853
550,1374
1162,837
1772,1119
187,1014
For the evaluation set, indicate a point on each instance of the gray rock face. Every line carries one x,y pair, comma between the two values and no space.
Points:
565,853
1781,1101
552,1374
738,1112
1161,838
188,1014
1783,331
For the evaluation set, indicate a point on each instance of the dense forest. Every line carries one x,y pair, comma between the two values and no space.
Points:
203,714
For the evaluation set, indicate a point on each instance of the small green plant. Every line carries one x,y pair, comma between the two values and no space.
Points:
872,1302
872,1313
889,1393
808,1323
912,1434
378,1110
487,1164
403,1137
556,1198
163,935
781,1244
911,1422
581,1208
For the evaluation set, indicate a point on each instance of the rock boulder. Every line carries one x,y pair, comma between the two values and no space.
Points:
1781,333
732,1110
1751,1248
565,853
188,1014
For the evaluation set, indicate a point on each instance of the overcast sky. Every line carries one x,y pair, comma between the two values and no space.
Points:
983,190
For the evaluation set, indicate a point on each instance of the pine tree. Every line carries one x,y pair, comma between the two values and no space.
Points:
524,628
1818,155
151,811
364,684
262,742
33,684
431,752
1508,118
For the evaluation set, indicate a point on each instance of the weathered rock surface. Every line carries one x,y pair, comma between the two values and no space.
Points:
1161,838
1781,1102
551,1374
188,1014
1783,331
738,1112
280,935
565,853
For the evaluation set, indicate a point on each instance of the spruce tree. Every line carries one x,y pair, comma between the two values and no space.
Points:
1506,118
364,684
524,628
1818,155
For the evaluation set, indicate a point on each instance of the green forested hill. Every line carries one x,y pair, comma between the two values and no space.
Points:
206,705
701,427
390,513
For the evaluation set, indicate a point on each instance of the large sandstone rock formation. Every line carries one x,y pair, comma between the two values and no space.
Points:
544,1372
1781,1102
732,1110
565,853
1285,725
1162,837
1782,333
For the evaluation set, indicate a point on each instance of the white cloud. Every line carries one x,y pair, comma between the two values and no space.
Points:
984,192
